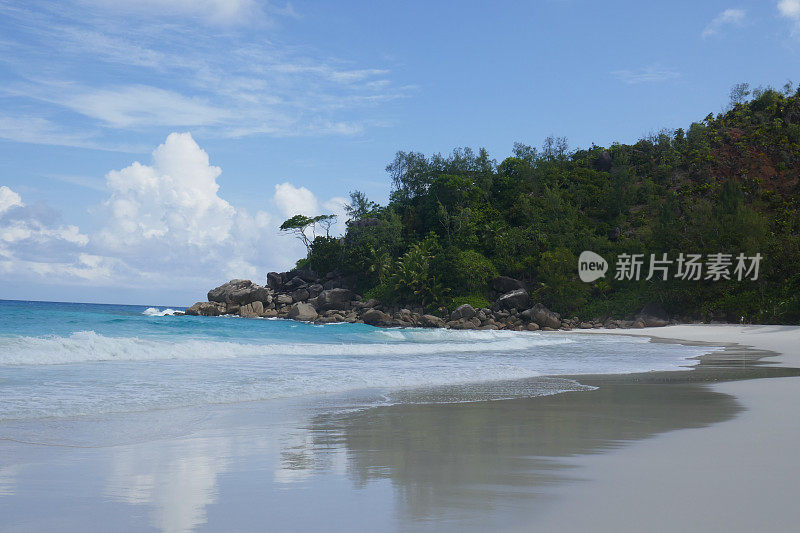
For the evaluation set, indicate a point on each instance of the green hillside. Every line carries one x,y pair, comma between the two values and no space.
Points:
727,184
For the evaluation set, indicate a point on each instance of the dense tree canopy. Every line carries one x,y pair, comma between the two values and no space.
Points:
727,184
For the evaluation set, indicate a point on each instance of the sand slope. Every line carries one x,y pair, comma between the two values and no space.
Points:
738,475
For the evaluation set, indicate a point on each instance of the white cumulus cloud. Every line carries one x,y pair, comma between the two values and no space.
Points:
33,242
20,223
291,200
174,200
336,206
163,225
167,222
9,199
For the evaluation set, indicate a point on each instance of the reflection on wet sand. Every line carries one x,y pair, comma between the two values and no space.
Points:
452,459
177,480
297,465
458,460
8,476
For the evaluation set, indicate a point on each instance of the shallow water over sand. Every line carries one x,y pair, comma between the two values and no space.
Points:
441,455
305,464
294,467
65,360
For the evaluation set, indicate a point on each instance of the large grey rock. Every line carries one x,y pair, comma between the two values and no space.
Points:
283,299
314,290
463,311
307,275
302,311
295,283
375,317
372,302
463,323
405,315
274,281
341,282
239,291
334,299
517,299
253,309
543,316
504,284
332,284
206,309
300,295
431,321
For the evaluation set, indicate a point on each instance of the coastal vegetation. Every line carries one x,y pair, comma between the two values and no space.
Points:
455,223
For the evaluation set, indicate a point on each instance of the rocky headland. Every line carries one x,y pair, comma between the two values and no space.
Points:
305,296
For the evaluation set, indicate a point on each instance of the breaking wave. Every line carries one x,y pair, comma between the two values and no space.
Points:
155,311
88,346
115,359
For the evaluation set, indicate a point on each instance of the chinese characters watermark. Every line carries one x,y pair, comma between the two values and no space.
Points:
688,267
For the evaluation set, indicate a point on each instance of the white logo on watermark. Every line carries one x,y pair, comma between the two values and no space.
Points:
689,267
591,266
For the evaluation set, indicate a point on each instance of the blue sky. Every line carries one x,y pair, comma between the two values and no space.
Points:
150,148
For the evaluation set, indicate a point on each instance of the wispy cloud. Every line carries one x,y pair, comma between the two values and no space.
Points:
87,182
729,17
213,12
119,77
139,105
38,130
108,48
651,74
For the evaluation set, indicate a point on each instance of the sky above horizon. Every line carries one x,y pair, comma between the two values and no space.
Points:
149,149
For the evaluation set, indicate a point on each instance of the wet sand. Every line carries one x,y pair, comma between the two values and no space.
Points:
742,474
713,446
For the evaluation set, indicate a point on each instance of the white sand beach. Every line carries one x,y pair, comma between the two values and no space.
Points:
739,475
783,340
711,448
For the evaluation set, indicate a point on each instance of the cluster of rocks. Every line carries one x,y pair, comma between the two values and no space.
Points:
304,296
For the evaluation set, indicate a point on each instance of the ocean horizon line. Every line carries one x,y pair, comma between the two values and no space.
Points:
17,300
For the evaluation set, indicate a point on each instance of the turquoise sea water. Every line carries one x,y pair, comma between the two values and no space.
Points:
66,360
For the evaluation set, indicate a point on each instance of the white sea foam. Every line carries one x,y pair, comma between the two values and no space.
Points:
85,360
469,336
88,346
155,311
85,372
